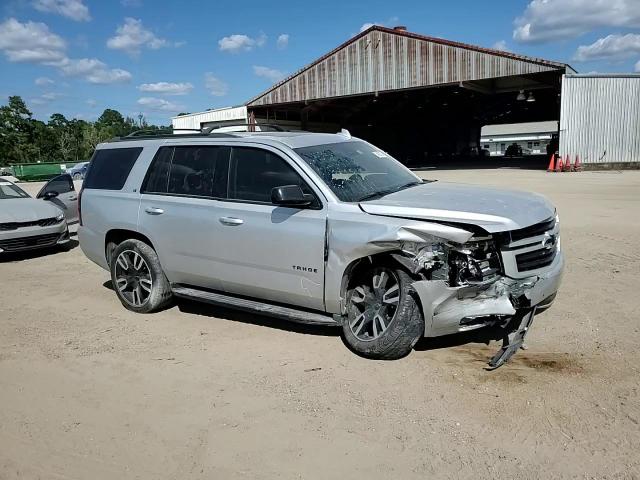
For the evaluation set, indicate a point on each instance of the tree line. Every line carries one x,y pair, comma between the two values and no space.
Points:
23,139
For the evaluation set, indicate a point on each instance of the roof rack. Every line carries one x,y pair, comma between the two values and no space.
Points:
147,134
277,128
160,131
168,133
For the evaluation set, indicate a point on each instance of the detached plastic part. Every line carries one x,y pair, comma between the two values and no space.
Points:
513,341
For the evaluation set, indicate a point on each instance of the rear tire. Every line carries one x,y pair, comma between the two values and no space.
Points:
384,320
138,279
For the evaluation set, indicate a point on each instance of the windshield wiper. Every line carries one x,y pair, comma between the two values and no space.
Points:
382,193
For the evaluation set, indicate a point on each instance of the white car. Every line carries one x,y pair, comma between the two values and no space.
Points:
30,223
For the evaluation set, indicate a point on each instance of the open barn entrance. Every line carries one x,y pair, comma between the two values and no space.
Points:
434,126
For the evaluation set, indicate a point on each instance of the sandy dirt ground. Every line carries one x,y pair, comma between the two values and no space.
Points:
89,390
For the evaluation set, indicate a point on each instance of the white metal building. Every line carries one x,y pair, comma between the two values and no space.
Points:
218,117
600,120
532,137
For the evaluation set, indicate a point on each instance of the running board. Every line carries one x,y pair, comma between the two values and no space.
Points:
262,308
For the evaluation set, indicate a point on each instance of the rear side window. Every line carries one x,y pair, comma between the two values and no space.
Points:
109,168
195,171
255,172
158,173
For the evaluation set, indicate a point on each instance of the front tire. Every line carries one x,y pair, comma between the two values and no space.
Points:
384,320
137,277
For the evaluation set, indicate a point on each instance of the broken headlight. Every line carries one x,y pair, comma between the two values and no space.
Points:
475,262
429,259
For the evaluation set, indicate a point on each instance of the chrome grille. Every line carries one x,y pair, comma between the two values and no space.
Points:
531,248
536,259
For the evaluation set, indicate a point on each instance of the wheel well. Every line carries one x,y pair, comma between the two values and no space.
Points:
358,266
117,236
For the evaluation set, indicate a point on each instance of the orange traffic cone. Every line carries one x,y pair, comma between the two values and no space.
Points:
567,164
559,164
552,163
577,166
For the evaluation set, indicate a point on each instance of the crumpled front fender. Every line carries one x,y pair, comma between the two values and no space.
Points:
445,309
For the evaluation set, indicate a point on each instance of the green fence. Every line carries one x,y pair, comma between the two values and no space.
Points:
31,172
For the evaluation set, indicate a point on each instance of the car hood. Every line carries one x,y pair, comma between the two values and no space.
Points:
26,210
495,210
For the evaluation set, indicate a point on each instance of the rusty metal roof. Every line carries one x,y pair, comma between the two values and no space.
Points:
383,59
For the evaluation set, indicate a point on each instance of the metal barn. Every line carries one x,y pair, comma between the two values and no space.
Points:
423,99
600,120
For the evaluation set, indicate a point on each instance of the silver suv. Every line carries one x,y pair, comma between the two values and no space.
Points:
317,228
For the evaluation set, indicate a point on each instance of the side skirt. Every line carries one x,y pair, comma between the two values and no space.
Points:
239,303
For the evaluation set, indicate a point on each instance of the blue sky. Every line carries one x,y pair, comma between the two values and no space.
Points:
78,57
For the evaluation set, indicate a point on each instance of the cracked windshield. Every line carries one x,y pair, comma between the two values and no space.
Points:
356,171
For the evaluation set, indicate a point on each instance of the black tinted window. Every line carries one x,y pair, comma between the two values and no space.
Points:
254,173
158,175
199,171
109,168
60,184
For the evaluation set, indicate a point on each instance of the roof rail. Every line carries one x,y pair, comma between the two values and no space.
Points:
147,134
154,135
160,131
276,127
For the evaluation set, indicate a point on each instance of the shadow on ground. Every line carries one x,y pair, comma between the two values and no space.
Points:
481,336
531,162
193,307
38,253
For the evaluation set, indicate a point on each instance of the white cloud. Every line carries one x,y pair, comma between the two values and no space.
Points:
501,45
270,74
367,26
548,20
43,81
35,43
216,87
390,22
241,43
611,47
261,39
637,67
92,70
30,42
46,98
160,104
283,41
91,102
166,88
132,36
73,9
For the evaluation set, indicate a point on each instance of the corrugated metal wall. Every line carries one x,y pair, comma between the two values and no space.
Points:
600,118
195,120
384,60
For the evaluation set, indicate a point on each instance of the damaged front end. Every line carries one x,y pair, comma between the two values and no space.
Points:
463,287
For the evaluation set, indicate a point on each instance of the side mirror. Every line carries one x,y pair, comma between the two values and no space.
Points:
290,196
50,195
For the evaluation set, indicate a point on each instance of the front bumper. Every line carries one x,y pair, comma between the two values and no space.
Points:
449,310
31,238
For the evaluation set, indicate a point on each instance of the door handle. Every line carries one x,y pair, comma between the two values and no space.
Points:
154,211
73,198
231,221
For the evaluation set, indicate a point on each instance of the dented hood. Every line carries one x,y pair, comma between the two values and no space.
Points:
495,210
